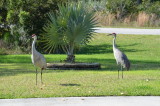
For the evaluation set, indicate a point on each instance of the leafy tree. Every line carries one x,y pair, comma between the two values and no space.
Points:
150,7
121,7
3,14
71,26
25,17
29,14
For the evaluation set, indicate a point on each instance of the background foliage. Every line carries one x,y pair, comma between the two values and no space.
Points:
24,17
21,18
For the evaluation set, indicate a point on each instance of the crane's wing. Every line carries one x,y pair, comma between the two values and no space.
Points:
121,58
126,62
39,60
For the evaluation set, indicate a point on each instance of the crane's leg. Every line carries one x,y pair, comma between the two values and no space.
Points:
122,70
118,74
36,76
41,76
118,71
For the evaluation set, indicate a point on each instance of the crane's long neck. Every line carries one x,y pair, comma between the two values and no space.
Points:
114,42
33,46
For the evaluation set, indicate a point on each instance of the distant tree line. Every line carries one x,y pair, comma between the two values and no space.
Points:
151,1
21,18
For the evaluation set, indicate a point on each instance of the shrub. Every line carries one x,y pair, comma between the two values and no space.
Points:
73,25
121,7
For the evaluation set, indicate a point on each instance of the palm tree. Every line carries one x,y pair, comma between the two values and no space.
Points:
71,26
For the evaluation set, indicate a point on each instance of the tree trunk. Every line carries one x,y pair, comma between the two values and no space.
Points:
139,2
70,54
151,1
70,58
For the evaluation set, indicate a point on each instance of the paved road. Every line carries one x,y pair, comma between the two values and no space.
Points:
129,31
85,101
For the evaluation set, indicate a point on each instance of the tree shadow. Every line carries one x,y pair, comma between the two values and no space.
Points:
110,64
95,49
11,72
14,69
106,65
105,48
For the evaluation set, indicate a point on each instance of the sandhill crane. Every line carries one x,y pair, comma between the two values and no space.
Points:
120,57
37,58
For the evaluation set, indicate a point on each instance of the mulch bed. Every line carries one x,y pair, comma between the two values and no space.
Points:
75,66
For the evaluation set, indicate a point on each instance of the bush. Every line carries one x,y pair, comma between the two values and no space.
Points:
150,8
26,17
121,7
155,8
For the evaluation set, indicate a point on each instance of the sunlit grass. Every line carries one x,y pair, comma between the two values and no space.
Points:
17,74
60,83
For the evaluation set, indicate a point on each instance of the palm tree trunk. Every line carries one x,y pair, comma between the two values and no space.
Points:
70,55
70,58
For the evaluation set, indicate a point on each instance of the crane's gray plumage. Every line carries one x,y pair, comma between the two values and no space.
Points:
120,57
37,58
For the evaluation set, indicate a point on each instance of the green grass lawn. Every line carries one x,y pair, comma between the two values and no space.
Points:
17,74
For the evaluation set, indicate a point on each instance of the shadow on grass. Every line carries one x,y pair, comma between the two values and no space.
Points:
110,64
70,84
88,49
12,69
106,65
104,48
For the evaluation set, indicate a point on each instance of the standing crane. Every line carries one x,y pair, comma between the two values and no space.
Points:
120,57
37,58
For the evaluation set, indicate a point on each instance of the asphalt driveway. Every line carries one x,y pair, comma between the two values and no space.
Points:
129,31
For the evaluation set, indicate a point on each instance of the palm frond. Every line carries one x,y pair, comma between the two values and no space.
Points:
73,25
